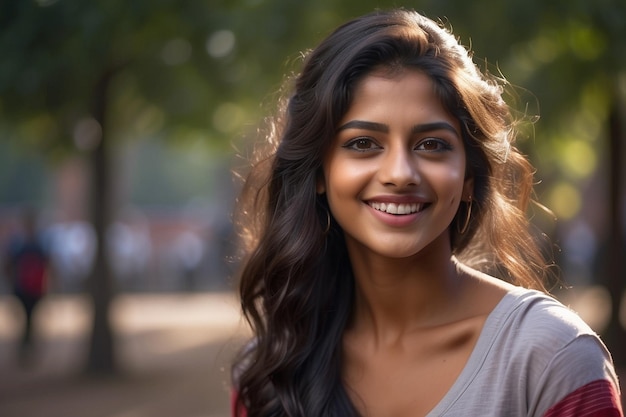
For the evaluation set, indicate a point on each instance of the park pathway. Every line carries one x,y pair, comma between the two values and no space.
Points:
173,350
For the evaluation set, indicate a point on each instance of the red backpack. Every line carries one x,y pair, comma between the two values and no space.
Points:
30,268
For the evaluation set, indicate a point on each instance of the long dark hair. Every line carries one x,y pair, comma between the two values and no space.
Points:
297,284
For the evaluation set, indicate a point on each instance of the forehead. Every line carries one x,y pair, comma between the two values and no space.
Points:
395,94
387,77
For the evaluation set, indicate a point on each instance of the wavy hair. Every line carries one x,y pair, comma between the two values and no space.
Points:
296,284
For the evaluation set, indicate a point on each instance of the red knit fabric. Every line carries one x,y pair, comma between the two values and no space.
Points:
596,399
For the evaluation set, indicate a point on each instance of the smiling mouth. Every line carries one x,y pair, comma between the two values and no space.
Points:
394,208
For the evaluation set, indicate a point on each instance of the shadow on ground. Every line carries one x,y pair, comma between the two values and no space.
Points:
168,367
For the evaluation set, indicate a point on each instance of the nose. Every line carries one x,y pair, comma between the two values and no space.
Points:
399,168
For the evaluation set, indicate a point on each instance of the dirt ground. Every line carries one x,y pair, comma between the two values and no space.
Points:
173,353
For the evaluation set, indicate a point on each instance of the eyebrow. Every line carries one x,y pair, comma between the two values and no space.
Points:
381,127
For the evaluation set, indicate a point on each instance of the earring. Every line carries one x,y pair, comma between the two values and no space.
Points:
467,217
327,222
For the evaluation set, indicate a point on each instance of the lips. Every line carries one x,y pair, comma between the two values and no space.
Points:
396,208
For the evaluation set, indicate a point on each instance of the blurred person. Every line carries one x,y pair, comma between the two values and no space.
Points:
391,269
188,251
26,266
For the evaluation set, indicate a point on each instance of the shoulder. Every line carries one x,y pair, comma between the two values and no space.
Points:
553,350
545,329
540,315
533,324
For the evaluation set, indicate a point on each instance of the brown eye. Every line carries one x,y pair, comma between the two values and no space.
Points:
362,144
433,145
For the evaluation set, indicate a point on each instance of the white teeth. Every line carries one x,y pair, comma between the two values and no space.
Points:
393,208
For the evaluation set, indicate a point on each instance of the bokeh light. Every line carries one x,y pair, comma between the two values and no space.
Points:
565,200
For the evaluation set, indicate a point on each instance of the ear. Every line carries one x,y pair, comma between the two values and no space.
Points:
468,189
320,187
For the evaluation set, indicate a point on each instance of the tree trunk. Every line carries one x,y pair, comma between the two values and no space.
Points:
615,334
101,358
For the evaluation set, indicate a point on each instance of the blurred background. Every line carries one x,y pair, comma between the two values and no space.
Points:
120,124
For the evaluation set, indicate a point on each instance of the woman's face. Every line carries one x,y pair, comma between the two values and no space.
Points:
395,173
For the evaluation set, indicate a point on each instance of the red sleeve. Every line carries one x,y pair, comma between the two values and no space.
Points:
596,399
233,406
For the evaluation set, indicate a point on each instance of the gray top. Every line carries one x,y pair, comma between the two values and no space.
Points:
532,352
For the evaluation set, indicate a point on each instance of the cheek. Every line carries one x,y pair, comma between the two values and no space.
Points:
450,183
339,186
345,184
343,178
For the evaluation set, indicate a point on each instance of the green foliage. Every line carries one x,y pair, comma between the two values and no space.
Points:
188,69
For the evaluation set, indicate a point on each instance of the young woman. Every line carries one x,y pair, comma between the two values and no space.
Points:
389,181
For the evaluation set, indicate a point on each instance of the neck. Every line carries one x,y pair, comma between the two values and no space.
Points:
396,296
